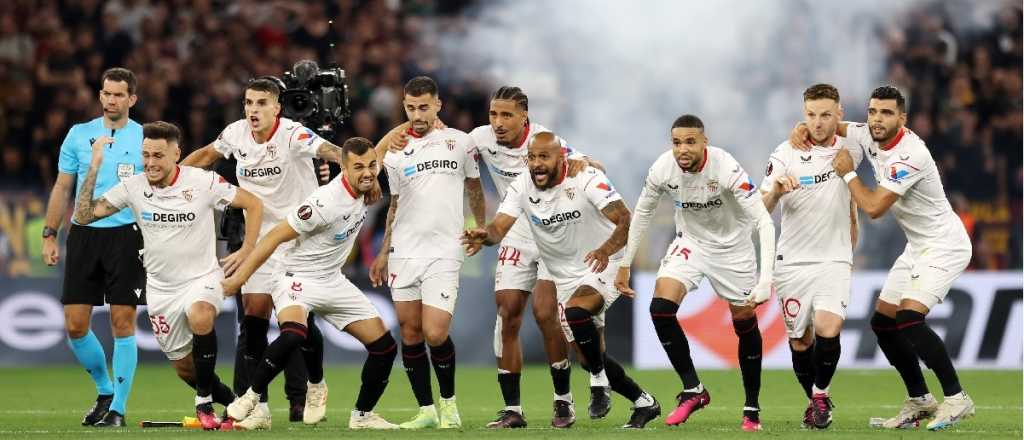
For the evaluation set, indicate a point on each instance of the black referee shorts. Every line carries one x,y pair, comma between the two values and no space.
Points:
103,265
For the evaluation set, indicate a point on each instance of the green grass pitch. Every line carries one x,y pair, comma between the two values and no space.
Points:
48,402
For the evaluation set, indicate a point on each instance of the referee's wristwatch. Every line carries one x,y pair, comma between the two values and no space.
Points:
49,232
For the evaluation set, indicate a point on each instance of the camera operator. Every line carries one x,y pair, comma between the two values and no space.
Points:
273,155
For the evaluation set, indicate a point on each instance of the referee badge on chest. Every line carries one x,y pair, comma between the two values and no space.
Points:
125,170
712,185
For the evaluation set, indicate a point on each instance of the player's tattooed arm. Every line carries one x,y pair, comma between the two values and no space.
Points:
477,204
329,152
204,158
379,268
88,210
619,214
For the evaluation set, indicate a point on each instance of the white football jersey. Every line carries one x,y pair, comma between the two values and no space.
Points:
429,176
328,222
280,171
506,163
177,223
715,206
566,220
816,216
906,167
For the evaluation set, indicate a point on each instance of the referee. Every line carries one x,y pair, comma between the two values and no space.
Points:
104,261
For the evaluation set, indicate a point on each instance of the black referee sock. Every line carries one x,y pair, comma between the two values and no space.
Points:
417,367
803,368
620,382
313,351
673,340
204,357
276,356
584,331
255,344
509,384
826,359
443,359
560,376
930,349
750,358
380,356
900,353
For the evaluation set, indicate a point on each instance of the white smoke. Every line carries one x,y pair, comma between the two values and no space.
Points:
611,76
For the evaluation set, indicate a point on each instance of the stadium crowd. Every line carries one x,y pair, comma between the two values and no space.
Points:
964,85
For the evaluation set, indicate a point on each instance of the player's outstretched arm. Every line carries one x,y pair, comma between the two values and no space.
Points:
253,208
260,253
618,213
491,234
876,203
394,140
204,158
89,210
477,204
379,268
765,226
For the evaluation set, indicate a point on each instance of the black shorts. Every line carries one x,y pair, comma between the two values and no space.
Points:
103,264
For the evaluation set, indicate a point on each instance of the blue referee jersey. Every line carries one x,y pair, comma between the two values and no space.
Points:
121,160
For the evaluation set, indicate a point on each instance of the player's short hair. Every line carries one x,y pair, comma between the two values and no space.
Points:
890,92
162,130
421,85
120,74
688,121
821,91
355,145
512,93
264,85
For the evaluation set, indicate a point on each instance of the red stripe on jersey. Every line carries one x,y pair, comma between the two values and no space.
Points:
344,182
177,172
895,140
525,135
565,172
703,161
277,122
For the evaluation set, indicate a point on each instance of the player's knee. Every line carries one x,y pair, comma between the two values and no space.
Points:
577,315
827,331
411,334
200,317
77,328
744,325
258,305
511,322
909,319
384,349
663,312
435,336
545,314
881,323
799,345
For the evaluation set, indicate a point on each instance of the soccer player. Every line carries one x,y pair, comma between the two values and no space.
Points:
579,224
814,256
102,262
938,251
716,204
519,270
324,227
420,257
174,208
273,155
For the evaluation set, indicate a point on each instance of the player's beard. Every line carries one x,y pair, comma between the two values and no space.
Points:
888,134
